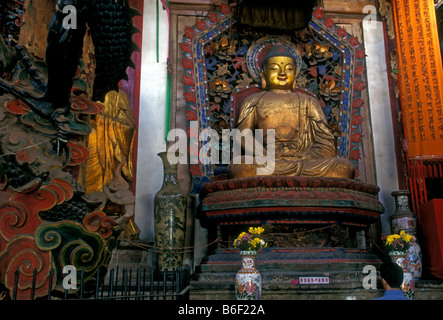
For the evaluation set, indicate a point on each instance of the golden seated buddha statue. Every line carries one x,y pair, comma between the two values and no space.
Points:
304,145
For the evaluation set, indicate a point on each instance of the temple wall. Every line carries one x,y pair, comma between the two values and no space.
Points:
151,129
381,118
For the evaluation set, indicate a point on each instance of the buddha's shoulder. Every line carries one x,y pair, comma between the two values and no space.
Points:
308,98
305,94
254,98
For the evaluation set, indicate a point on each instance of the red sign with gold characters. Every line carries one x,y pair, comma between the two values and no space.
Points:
420,77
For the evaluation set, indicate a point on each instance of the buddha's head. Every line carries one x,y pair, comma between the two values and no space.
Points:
278,70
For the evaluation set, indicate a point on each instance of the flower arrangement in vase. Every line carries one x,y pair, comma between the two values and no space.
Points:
251,240
398,242
248,281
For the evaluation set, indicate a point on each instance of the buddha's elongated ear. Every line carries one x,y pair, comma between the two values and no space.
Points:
294,84
263,79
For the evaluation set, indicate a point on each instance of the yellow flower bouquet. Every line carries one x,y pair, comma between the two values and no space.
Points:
398,242
250,240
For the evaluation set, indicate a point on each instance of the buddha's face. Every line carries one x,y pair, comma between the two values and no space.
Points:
280,73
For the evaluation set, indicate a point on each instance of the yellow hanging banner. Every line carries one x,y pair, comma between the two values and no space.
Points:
420,77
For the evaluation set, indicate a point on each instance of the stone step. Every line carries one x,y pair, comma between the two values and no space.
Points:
324,293
293,259
281,287
287,266
282,269
424,290
291,279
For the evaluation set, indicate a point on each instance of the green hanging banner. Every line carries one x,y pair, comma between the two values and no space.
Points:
168,100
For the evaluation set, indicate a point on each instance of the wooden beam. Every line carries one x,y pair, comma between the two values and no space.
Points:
191,2
347,6
350,10
188,9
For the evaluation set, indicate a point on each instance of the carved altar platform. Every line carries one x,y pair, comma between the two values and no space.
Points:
317,227
294,197
228,206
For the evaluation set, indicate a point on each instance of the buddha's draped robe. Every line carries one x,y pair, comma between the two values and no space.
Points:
304,145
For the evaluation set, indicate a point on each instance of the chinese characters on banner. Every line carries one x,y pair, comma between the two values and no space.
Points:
420,77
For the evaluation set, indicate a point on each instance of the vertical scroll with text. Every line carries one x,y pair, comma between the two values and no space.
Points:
420,77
